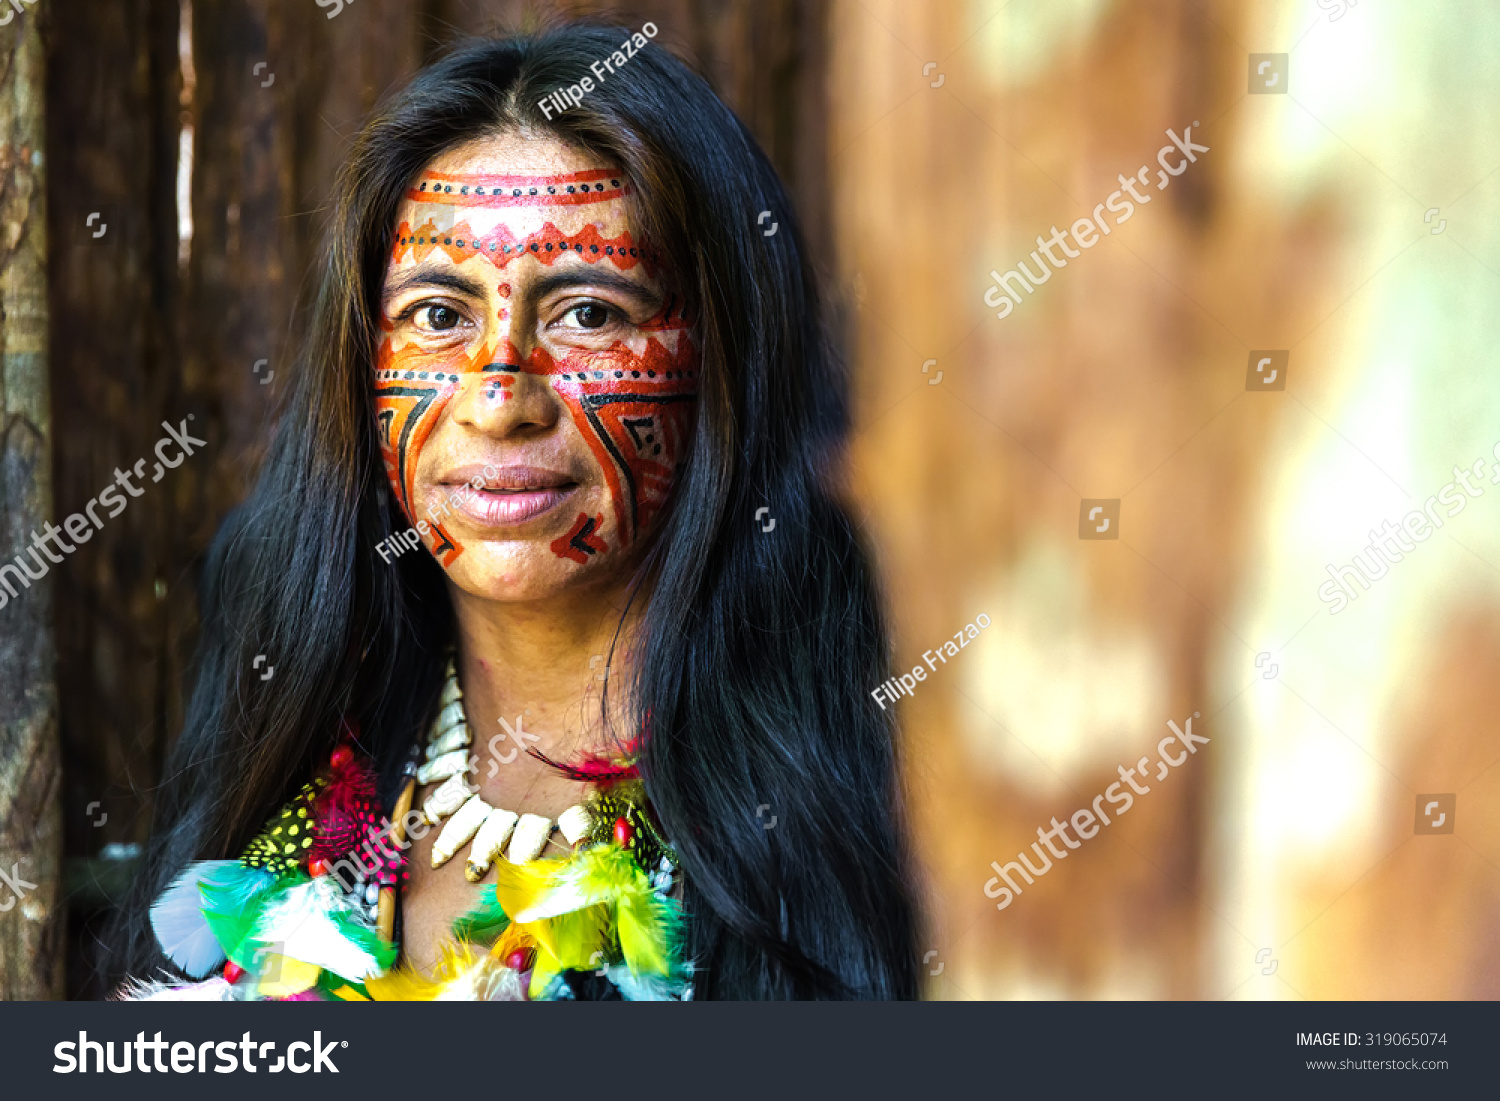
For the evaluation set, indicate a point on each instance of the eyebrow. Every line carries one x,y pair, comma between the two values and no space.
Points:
577,276
430,275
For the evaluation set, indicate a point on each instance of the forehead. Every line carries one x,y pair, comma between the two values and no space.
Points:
515,198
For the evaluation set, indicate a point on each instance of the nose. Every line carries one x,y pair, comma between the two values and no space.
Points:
506,399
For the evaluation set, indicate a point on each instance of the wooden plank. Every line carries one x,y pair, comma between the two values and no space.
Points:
31,921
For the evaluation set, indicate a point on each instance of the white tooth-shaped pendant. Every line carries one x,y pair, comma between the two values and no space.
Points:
450,688
488,843
462,826
440,768
446,798
450,719
530,838
575,823
457,737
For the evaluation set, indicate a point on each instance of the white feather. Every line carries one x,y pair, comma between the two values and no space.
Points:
211,990
178,921
298,925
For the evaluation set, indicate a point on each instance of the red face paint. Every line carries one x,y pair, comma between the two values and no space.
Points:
632,401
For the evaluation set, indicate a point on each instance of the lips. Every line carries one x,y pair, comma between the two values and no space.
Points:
508,495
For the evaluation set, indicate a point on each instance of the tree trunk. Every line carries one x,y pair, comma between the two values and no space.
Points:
30,771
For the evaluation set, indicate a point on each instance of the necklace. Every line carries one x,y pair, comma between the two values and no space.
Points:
308,910
616,850
448,762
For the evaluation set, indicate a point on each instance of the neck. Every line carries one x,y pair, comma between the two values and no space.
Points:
540,666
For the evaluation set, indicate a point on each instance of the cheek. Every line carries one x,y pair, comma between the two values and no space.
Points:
635,411
409,401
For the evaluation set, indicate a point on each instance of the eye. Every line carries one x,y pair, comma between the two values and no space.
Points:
433,316
590,315
439,318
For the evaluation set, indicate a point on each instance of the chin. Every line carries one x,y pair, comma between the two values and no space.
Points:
505,572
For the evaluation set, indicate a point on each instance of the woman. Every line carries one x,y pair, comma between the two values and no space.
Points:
555,381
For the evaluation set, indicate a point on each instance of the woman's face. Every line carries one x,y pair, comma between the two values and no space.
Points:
536,382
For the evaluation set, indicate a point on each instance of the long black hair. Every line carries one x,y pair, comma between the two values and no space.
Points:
764,755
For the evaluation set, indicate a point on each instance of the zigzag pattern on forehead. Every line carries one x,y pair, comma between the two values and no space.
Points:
570,189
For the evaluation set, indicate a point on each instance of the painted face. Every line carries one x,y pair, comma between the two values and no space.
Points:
536,381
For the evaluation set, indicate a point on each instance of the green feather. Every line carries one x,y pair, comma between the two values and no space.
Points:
233,900
365,937
484,922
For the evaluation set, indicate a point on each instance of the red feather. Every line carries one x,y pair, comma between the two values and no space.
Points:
347,819
591,768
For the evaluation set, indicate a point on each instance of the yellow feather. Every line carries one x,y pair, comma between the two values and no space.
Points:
518,887
643,937
579,940
543,971
407,984
288,977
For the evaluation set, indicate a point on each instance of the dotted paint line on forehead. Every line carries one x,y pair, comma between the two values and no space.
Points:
500,246
571,189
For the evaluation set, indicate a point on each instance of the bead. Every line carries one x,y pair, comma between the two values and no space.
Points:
623,832
372,893
444,766
575,823
529,839
462,826
341,756
316,868
232,972
519,960
489,842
